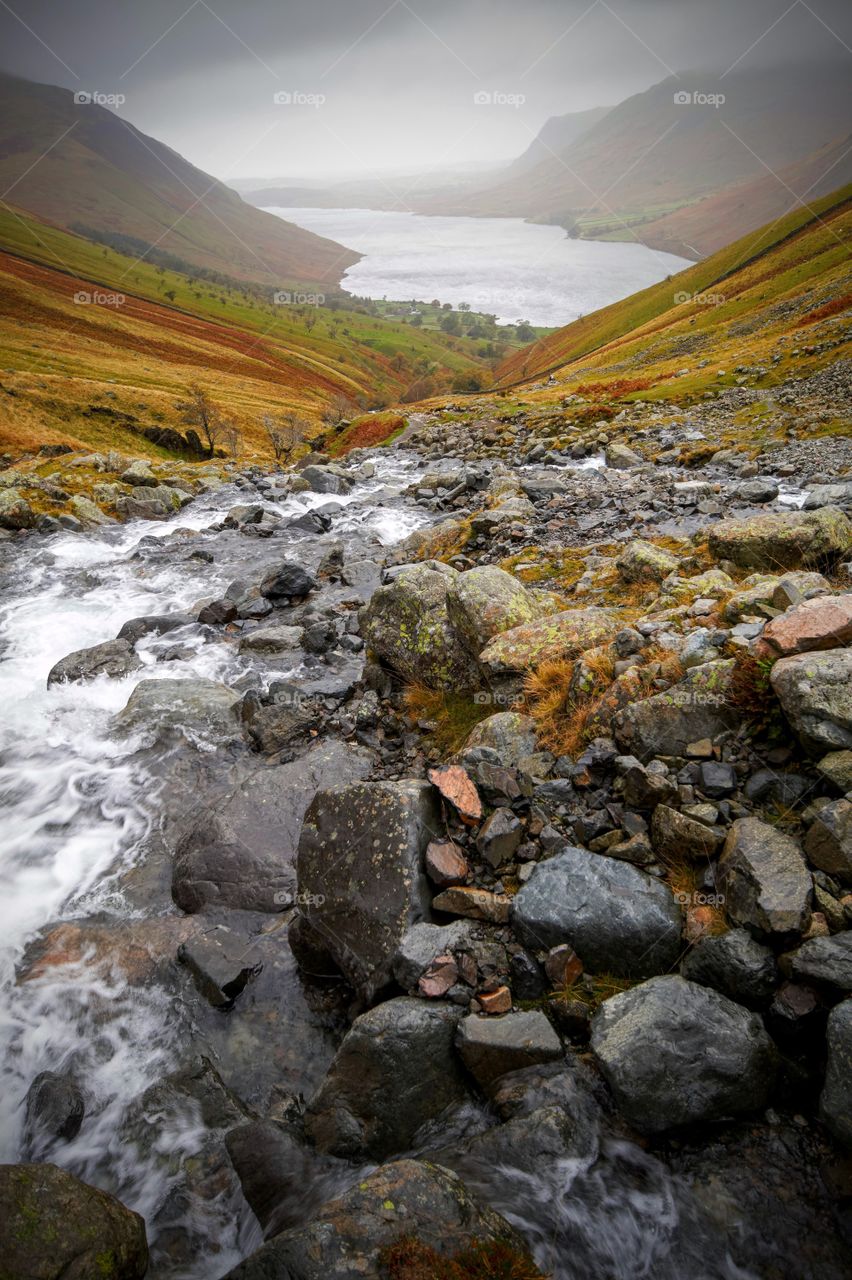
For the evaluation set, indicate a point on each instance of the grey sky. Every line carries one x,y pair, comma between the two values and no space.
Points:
398,77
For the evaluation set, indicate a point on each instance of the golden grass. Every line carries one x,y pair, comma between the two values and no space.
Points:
454,715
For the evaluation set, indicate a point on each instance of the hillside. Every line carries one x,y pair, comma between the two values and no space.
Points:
85,169
100,371
555,135
651,156
740,303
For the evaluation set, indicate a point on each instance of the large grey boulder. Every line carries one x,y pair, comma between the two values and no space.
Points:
783,540
836,1100
15,512
486,601
491,1047
694,708
194,706
815,692
56,1227
736,964
115,658
327,479
345,1238
765,878
361,881
395,1070
240,851
407,626
825,961
675,1053
828,843
618,919
509,733
562,635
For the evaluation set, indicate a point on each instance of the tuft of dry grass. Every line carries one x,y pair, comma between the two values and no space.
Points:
411,1259
453,715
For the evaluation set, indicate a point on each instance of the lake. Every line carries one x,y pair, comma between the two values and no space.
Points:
504,266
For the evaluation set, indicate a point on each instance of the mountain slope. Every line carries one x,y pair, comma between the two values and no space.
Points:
555,135
82,167
692,331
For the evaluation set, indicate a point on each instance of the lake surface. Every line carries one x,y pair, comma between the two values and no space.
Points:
513,269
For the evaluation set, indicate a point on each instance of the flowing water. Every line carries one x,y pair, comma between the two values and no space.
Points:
80,828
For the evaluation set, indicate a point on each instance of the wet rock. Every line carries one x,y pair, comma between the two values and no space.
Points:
620,457
15,512
694,708
217,613
287,580
327,479
674,835
735,964
360,873
766,881
221,963
195,704
499,837
346,1237
240,851
152,624
486,601
395,1070
815,692
828,843
563,635
274,721
56,1227
836,1099
114,658
675,1053
422,945
491,1047
643,562
757,491
822,623
473,904
788,539
618,919
407,626
55,1109
825,961
271,640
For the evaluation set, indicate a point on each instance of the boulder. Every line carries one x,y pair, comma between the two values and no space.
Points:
15,512
422,945
327,479
56,1227
486,601
115,658
783,540
287,580
221,962
766,882
675,1053
271,640
491,1047
815,692
828,843
509,733
621,457
240,851
395,1070
499,837
618,919
410,1198
735,964
149,624
87,511
563,635
675,835
361,881
694,708
197,705
822,623
825,961
835,1104
407,626
799,585
643,562
55,1109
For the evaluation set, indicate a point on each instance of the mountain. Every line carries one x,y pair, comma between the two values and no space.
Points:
81,167
654,155
753,303
555,135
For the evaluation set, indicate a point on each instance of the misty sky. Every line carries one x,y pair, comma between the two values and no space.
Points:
398,77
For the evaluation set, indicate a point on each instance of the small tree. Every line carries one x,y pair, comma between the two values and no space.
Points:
200,412
284,432
231,436
337,410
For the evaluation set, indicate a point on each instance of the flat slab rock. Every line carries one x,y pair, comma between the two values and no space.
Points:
491,1047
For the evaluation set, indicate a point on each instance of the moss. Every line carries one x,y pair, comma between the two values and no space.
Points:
451,715
411,1259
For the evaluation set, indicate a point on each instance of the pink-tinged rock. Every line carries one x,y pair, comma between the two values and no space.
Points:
455,786
445,864
563,966
822,623
493,1002
439,977
474,904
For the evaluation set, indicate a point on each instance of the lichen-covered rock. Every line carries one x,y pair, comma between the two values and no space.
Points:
675,1053
784,539
509,733
828,843
87,511
618,919
361,879
836,1100
621,457
395,1070
696,707
486,601
15,512
815,692
766,881
563,635
407,626
641,561
56,1227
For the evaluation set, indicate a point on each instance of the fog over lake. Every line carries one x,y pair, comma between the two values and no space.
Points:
505,266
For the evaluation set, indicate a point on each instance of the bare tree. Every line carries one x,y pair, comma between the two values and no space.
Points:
337,410
284,432
200,412
231,436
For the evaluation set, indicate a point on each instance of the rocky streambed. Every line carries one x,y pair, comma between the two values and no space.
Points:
278,969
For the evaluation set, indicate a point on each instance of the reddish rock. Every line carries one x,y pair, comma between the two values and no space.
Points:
474,904
563,966
822,623
439,977
455,786
499,1001
445,864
